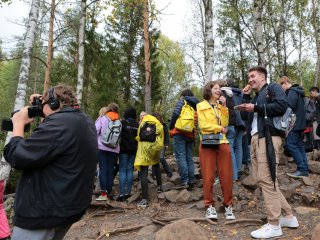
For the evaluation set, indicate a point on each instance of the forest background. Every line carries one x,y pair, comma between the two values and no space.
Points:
224,39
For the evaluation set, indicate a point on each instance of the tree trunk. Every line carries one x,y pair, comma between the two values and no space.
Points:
81,51
208,39
147,63
23,76
258,31
315,25
50,48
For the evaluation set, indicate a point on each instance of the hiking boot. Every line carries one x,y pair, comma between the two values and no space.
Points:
143,203
298,174
191,186
267,231
289,222
102,197
121,198
181,186
211,213
229,214
159,189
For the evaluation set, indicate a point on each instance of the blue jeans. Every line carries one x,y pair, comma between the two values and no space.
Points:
237,146
182,146
107,162
295,146
126,162
231,134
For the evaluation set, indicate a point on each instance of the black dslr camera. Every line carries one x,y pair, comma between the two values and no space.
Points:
35,110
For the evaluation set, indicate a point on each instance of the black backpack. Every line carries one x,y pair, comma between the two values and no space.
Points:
148,132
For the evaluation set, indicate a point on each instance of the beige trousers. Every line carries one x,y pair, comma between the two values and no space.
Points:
273,198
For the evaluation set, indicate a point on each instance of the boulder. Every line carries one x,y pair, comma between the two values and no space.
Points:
314,166
181,230
316,232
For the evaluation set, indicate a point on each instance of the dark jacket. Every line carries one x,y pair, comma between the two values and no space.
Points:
129,144
192,101
295,95
276,103
58,163
238,99
230,105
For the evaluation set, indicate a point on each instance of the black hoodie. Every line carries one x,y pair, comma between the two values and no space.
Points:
295,96
129,130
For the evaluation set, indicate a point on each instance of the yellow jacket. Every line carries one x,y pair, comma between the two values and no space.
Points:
209,118
148,153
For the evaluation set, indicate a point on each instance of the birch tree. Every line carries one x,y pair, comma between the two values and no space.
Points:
23,75
258,31
81,51
208,40
316,35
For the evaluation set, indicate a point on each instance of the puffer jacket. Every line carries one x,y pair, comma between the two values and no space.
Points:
208,119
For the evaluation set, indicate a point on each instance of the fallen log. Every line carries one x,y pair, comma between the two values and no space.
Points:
118,230
245,220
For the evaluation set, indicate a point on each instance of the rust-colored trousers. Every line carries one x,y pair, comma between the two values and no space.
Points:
210,160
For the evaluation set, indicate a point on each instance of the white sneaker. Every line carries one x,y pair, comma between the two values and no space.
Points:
289,222
211,213
267,231
229,214
102,198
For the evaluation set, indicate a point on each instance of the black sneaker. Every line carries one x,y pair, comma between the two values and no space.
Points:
159,189
143,203
126,196
191,186
120,198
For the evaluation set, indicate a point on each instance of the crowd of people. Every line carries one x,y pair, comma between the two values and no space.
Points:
59,162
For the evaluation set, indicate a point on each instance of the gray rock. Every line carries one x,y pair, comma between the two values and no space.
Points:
249,182
314,166
181,230
183,196
133,197
316,232
148,230
288,191
167,186
171,195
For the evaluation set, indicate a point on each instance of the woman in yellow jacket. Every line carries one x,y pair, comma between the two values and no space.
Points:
213,118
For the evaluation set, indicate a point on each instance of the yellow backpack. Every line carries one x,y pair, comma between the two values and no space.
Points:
185,122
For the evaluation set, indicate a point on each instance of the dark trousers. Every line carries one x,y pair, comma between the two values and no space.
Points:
144,178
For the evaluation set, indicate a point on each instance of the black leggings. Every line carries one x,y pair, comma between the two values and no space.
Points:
144,178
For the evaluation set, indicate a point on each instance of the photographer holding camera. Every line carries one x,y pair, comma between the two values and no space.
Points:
58,162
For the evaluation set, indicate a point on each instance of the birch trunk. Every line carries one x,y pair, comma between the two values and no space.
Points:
23,76
258,31
81,51
208,39
47,74
315,25
147,62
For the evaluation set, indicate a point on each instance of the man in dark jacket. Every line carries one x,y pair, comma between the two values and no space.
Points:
58,162
294,140
272,100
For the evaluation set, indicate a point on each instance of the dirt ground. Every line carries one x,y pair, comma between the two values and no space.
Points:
101,220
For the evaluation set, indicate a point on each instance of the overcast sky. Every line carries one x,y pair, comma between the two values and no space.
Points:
173,14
